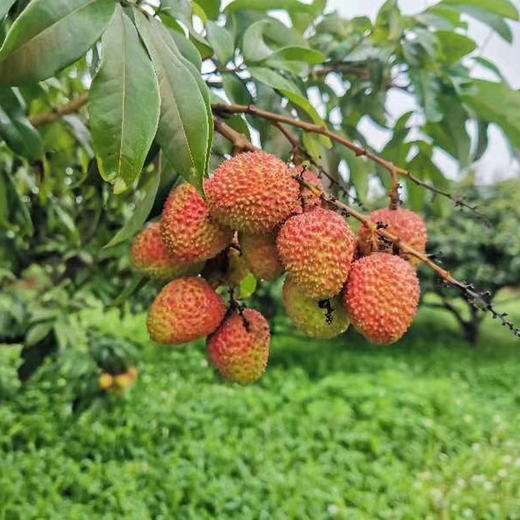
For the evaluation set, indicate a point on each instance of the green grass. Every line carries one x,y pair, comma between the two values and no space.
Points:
428,428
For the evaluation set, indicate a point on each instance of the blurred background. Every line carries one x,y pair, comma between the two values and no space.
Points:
497,163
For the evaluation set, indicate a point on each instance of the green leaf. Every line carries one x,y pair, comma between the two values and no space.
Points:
124,103
146,193
451,134
442,18
427,88
286,88
360,171
38,333
187,48
312,145
221,41
235,89
497,23
185,126
296,53
482,140
503,8
484,62
253,45
180,9
247,286
454,46
497,103
210,7
5,5
267,5
16,128
49,35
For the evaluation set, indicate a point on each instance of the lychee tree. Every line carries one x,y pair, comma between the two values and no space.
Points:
257,107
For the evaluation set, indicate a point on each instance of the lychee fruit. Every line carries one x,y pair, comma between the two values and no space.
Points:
239,349
252,192
150,256
126,380
185,310
381,297
317,248
261,255
105,381
323,319
187,229
405,224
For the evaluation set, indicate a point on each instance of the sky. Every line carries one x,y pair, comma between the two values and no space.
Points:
497,163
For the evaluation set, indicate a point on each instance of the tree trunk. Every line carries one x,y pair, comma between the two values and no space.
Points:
471,331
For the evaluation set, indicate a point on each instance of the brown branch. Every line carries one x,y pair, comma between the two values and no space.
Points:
69,108
239,141
359,151
393,193
341,67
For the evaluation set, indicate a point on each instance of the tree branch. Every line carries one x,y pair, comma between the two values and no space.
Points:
69,108
359,151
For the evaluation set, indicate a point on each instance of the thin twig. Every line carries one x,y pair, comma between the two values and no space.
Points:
69,108
359,151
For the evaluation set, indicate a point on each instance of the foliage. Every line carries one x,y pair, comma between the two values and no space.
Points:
486,253
334,430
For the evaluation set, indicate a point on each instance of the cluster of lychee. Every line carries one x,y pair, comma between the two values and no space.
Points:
260,216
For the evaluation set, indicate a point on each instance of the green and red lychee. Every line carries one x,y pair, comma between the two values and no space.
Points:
381,297
261,255
317,248
252,193
151,257
187,228
239,349
407,225
323,319
185,310
309,199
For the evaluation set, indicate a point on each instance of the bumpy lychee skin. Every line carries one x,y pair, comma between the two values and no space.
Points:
240,347
308,199
323,319
406,224
381,297
252,192
185,310
150,256
187,229
316,249
261,256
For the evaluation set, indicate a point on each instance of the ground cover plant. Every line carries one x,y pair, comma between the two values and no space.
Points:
334,430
